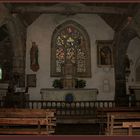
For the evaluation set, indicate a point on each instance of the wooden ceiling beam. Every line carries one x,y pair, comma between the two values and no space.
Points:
73,10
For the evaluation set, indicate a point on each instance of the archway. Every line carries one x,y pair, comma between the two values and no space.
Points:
17,36
121,42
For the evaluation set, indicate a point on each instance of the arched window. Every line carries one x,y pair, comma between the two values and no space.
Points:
70,42
0,73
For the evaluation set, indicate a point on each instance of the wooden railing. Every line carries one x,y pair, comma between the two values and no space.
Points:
64,108
66,104
68,108
71,108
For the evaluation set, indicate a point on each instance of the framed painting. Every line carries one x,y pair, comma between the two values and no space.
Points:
104,53
31,80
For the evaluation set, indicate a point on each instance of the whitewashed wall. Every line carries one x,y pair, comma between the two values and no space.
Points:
41,31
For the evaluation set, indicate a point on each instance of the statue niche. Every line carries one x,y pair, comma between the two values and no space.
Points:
68,75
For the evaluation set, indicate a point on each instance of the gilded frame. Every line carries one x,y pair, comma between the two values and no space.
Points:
105,53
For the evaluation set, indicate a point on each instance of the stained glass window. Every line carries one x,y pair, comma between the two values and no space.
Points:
70,42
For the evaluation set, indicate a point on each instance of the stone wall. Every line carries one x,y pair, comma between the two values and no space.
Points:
40,31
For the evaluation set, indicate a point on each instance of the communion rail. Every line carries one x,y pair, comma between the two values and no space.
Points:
64,108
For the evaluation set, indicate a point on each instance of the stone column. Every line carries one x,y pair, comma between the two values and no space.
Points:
122,40
17,35
4,14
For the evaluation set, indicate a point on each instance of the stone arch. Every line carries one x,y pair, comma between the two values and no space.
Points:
6,53
121,41
17,37
137,62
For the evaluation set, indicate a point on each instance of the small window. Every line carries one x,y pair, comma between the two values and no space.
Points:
0,73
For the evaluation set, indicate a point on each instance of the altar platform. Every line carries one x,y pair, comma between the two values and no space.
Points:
52,94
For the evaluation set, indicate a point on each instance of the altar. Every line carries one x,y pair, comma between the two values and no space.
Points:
69,92
52,94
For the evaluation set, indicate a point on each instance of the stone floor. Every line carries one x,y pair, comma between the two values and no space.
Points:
78,129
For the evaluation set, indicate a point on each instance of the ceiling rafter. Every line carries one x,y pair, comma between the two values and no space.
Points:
113,14
62,10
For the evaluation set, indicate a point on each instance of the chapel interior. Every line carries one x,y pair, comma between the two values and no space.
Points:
79,62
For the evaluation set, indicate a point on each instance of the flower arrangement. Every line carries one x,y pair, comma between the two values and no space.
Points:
80,83
57,83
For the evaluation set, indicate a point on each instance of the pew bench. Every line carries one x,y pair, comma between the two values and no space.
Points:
102,116
122,123
101,113
27,121
130,126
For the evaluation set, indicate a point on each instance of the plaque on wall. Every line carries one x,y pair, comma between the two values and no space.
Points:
31,80
104,53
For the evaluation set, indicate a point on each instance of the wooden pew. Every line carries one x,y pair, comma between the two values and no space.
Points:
117,123
27,121
101,113
102,118
130,126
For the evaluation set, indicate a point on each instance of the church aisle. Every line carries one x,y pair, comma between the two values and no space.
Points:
77,129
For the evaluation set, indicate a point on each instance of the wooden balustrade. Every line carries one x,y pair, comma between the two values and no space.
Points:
70,108
58,104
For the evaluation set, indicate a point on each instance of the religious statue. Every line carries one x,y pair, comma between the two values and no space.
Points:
34,65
